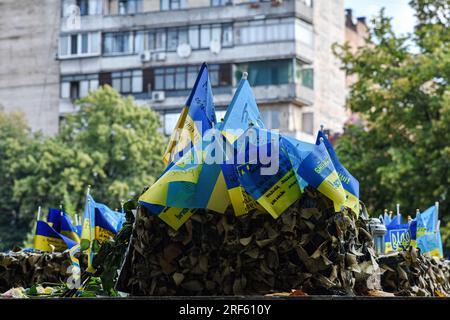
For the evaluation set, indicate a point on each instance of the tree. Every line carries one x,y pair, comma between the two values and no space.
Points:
402,94
111,143
17,144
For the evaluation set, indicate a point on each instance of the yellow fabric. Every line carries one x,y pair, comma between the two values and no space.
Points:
332,188
176,217
167,157
71,235
352,203
103,234
44,243
219,200
281,195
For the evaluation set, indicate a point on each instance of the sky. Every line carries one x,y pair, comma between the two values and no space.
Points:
403,15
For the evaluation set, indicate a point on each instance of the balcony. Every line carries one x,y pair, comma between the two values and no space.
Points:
284,92
204,15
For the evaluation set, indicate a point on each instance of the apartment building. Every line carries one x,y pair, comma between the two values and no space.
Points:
29,71
56,51
152,50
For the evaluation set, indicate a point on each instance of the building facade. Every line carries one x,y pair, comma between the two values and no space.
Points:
152,49
29,71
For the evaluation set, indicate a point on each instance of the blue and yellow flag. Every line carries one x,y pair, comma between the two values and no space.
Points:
430,244
428,235
88,232
317,170
241,113
61,222
427,221
49,240
275,188
188,183
196,117
350,184
398,236
107,222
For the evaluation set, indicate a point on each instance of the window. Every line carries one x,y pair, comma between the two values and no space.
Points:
82,7
217,3
191,76
213,71
304,32
271,118
183,77
198,37
308,122
180,78
172,4
79,44
194,37
123,7
119,42
84,43
170,121
205,36
159,79
74,44
304,74
227,35
160,40
172,40
129,81
78,86
266,30
267,72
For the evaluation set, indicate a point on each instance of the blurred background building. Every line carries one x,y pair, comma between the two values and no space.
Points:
152,49
29,71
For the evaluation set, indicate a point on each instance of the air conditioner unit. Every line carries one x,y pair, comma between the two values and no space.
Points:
160,56
158,96
146,56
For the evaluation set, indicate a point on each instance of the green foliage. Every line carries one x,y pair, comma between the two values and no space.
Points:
17,146
111,144
110,257
402,95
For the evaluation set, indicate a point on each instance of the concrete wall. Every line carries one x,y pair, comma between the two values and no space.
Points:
29,73
329,80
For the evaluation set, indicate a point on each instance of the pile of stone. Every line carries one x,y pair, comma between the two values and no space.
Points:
408,273
24,269
309,248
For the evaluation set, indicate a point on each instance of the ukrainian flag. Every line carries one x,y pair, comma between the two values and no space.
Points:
428,233
155,198
49,240
313,164
62,223
88,232
398,236
274,192
196,117
350,184
189,183
241,113
107,222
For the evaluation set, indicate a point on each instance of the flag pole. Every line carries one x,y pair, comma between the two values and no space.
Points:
39,213
437,214
399,220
